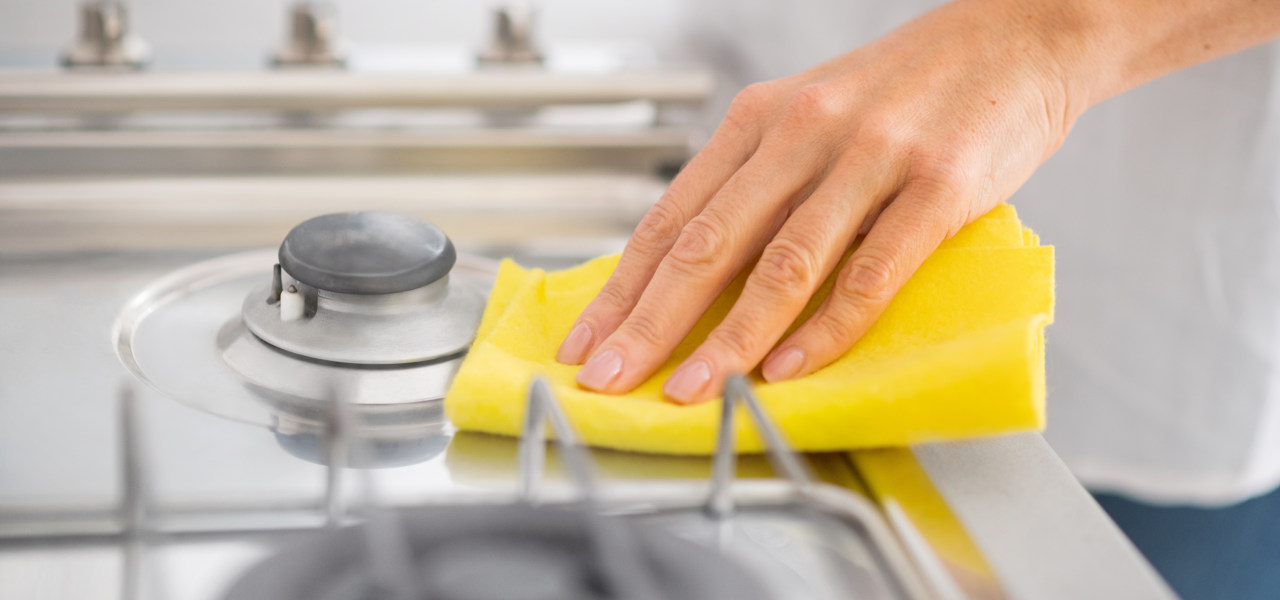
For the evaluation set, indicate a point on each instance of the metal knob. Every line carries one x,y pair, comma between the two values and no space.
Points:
366,253
512,37
105,41
312,38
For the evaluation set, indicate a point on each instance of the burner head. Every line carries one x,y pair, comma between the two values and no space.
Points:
366,253
365,288
188,335
506,552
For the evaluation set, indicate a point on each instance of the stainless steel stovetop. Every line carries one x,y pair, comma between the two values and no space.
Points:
161,477
220,497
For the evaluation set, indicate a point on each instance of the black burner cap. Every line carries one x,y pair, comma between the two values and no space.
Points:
366,253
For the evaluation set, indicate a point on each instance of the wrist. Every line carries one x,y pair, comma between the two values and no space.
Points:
1105,47
1072,45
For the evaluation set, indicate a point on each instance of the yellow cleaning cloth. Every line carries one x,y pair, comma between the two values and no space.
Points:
959,353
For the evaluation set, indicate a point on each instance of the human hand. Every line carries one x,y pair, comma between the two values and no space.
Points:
905,140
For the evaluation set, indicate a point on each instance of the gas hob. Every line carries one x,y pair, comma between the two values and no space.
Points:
146,452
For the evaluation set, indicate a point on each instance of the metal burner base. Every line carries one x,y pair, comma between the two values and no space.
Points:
183,336
303,381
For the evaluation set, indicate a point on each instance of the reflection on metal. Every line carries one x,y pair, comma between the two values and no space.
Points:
105,41
919,515
312,40
336,428
513,41
926,560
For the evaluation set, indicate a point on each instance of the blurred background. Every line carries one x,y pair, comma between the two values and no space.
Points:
239,34
542,130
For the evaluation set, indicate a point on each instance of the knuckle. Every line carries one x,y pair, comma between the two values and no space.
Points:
611,298
879,133
816,105
832,335
754,98
737,341
785,265
656,231
943,176
644,329
942,191
700,245
947,164
939,218
750,104
868,279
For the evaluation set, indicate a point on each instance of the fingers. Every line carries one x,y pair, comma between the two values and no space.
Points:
904,235
789,271
711,249
727,151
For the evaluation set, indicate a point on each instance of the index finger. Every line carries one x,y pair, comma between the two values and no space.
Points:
713,247
654,237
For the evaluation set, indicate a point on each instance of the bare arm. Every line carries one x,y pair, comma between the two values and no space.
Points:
904,141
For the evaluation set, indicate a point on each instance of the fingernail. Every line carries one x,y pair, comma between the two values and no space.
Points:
784,365
574,348
687,382
601,370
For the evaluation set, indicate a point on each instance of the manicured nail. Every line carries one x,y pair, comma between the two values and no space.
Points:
600,371
784,365
574,349
687,382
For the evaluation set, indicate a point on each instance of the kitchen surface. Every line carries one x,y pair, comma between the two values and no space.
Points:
160,438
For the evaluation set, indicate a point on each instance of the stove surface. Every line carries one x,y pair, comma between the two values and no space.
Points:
222,495
225,494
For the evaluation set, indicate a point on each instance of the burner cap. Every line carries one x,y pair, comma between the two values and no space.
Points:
366,253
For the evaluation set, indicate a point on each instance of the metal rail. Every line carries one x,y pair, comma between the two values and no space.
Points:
616,560
620,564
785,460
137,573
390,556
46,92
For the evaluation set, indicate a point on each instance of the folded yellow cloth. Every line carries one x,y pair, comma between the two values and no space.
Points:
959,353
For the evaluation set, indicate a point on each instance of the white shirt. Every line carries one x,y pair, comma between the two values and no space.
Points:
1164,206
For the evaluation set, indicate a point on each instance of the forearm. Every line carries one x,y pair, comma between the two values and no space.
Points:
1109,46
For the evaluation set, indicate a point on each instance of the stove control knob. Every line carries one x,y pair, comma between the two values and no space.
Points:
312,41
513,42
366,253
105,41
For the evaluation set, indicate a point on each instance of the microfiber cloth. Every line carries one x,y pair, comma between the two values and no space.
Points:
959,353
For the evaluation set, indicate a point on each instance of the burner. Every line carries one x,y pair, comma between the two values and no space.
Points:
375,307
365,288
507,552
